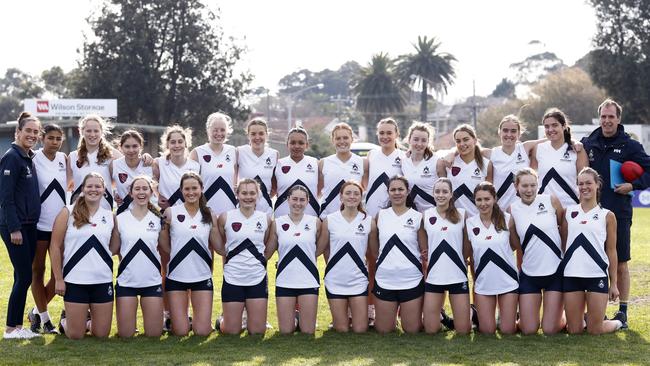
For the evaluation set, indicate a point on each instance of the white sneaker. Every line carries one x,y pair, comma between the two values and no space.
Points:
28,334
15,334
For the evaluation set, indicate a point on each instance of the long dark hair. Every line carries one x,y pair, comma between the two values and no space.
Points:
410,202
206,214
451,212
498,218
564,121
478,157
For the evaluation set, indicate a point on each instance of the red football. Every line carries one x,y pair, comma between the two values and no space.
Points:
631,171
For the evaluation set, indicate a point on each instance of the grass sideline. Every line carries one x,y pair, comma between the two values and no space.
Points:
631,347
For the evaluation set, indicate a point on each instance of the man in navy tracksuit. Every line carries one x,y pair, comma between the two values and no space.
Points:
610,142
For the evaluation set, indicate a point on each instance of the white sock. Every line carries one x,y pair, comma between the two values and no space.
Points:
63,322
35,311
166,314
619,324
45,316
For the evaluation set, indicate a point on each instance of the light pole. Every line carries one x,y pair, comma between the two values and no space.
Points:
290,100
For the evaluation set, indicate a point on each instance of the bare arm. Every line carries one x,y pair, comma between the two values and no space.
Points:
321,179
559,210
115,242
164,240
373,240
271,242
582,161
220,238
366,166
424,247
441,168
515,242
323,241
490,173
533,158
564,233
215,237
56,250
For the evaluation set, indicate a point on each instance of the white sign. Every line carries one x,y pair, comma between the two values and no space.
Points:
71,107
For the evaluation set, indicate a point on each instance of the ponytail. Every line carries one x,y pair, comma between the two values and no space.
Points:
561,117
498,217
451,213
206,214
567,138
478,157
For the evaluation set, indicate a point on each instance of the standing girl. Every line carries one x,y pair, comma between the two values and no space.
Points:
420,166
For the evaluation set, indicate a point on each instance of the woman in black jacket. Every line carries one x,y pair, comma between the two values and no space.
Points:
20,208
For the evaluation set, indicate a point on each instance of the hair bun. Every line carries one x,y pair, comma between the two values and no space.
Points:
23,115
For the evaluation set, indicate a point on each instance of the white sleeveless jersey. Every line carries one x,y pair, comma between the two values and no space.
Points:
445,242
297,253
289,173
261,169
123,177
52,184
169,183
421,178
494,261
464,178
140,264
346,272
585,254
539,235
335,173
380,169
245,261
80,172
218,174
504,168
399,266
557,172
86,255
190,259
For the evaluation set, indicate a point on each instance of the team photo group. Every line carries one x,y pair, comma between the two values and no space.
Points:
524,237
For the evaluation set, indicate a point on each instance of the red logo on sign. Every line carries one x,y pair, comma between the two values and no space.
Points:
455,170
432,220
236,226
180,218
285,169
42,106
122,177
207,158
285,227
476,230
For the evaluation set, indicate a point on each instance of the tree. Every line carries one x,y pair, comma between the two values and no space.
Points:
379,93
620,62
505,88
15,86
427,67
165,61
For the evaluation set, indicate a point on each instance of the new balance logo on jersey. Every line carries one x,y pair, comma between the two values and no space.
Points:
541,206
355,167
309,168
477,172
258,225
361,229
151,226
409,222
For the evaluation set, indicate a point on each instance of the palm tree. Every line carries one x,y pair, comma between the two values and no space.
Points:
378,90
428,68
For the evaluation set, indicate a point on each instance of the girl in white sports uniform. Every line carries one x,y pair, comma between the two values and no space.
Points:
243,234
189,236
420,166
257,161
218,162
344,239
135,238
297,280
447,261
399,276
94,154
82,263
493,263
50,165
533,226
336,169
129,166
468,169
297,168
589,263
556,160
174,162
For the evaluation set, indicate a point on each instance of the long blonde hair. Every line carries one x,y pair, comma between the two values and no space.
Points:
80,211
105,152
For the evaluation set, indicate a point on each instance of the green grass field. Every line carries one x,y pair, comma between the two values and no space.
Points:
329,348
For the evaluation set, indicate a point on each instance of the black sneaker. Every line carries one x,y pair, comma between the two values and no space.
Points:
217,323
622,317
189,318
446,320
61,329
49,328
474,316
167,325
35,320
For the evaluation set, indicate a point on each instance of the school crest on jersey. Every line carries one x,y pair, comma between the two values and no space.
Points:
258,227
398,162
360,229
477,172
520,158
103,219
122,177
409,223
432,220
61,166
285,169
541,206
207,158
574,214
309,168
455,170
236,226
476,230
268,162
566,157
227,158
355,168
426,172
285,227
307,228
595,217
180,217
151,226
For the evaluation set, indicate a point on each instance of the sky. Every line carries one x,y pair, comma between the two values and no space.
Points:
284,36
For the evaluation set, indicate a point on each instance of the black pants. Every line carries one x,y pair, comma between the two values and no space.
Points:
21,257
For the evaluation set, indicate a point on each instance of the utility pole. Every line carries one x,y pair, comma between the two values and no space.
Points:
474,104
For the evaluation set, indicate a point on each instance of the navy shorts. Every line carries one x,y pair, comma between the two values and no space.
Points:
150,291
295,292
623,239
332,296
535,284
88,294
398,295
596,284
44,236
452,288
203,285
234,293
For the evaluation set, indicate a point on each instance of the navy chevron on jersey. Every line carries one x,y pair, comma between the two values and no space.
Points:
421,178
494,261
169,182
86,255
445,247
504,168
91,165
585,254
399,266
557,172
296,253
218,174
123,175
140,263
190,259
539,235
346,272
335,173
245,261
261,169
52,184
380,169
464,178
289,173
